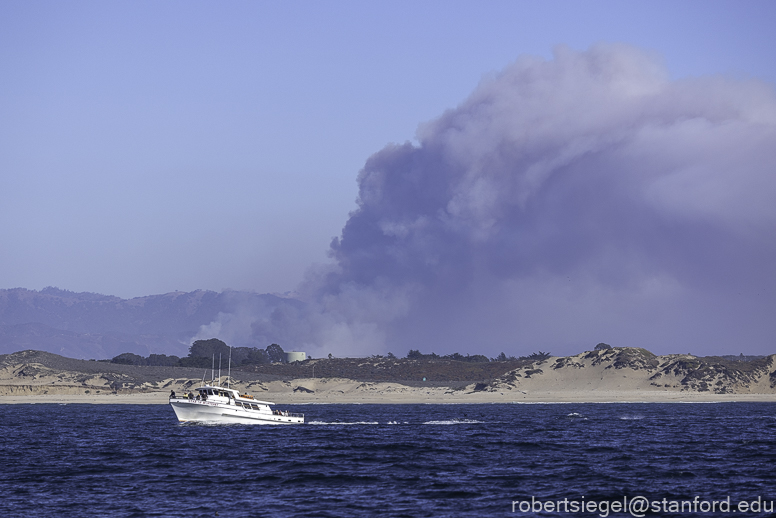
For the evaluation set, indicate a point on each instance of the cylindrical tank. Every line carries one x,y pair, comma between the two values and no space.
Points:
295,356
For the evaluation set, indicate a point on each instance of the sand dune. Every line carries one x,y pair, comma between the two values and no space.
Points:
614,375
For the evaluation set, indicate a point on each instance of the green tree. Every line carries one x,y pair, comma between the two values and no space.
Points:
254,356
209,349
538,356
129,359
503,358
276,353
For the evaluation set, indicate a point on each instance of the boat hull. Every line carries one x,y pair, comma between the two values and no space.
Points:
212,412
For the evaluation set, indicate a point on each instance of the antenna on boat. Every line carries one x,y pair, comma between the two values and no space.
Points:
229,375
213,368
219,369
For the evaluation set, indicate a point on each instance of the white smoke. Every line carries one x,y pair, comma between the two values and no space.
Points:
588,198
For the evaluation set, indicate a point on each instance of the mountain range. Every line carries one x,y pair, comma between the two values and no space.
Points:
94,326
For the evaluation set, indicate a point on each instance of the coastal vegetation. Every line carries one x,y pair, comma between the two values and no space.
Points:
713,373
716,373
416,365
474,358
202,353
617,369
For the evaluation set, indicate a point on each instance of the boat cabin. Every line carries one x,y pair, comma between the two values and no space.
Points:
231,397
208,391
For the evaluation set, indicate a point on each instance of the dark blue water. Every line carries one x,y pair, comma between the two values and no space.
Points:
386,460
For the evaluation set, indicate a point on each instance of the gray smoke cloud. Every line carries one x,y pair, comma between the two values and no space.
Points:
566,202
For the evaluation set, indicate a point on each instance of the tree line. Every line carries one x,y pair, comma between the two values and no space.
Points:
202,353
475,358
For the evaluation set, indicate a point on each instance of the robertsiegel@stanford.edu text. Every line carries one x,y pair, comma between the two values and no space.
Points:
638,506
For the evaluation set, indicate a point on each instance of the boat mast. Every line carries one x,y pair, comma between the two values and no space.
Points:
213,368
229,375
219,369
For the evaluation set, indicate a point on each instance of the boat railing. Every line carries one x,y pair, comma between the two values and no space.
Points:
185,397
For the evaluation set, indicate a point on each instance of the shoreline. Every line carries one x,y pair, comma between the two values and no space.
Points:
603,397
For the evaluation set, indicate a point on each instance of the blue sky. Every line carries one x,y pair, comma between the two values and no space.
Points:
147,147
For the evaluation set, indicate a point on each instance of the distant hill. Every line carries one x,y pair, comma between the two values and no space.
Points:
89,325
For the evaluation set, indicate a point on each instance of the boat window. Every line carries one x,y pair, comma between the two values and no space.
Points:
255,407
209,392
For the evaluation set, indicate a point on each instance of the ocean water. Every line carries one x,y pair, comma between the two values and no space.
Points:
392,460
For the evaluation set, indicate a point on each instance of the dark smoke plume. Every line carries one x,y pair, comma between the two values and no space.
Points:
567,202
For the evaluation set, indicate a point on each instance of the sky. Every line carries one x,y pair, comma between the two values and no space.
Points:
149,147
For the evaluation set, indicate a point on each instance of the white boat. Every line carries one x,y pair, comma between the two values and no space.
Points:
215,404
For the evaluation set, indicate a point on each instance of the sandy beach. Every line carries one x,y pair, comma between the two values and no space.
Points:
350,392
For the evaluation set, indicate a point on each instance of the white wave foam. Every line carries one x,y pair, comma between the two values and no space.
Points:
336,423
455,421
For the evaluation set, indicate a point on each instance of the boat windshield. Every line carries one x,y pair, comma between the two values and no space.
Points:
215,392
